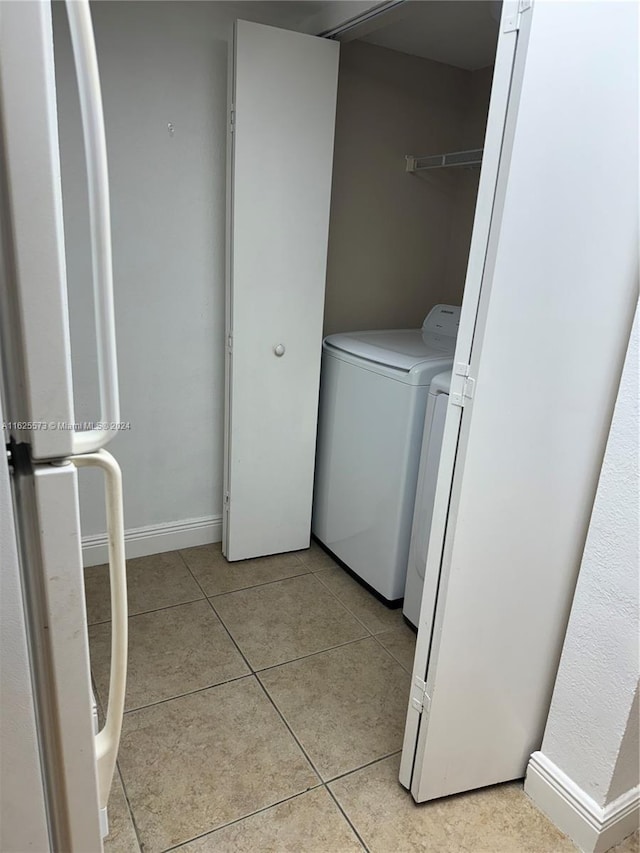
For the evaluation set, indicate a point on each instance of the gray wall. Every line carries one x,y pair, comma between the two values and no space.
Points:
398,243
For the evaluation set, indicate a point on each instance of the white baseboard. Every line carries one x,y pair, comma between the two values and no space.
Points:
592,827
155,538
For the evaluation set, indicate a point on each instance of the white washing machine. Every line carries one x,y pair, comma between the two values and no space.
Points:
425,494
373,397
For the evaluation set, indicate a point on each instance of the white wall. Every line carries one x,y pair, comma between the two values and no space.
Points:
592,732
398,243
598,676
160,63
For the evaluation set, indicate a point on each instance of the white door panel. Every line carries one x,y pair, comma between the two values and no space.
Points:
495,153
552,331
284,103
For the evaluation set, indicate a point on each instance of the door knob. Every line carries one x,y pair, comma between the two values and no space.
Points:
279,350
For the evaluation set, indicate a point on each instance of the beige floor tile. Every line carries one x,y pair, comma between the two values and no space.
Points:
316,558
346,706
629,845
285,620
375,615
152,582
122,836
216,575
401,643
96,696
195,763
172,651
310,822
500,819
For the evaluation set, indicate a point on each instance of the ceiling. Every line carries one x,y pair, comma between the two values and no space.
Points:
288,14
459,32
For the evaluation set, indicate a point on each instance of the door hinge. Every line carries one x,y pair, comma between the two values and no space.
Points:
462,385
229,343
232,118
420,700
513,20
226,500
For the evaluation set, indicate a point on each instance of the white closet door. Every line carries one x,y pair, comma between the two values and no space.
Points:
283,118
559,291
488,205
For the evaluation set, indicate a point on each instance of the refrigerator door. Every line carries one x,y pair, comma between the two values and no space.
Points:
36,335
23,814
37,390
35,329
47,514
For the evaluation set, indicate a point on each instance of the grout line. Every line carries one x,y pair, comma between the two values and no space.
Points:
322,785
366,627
307,571
301,657
217,615
346,817
310,655
293,553
325,782
129,808
189,693
362,767
256,585
291,732
346,607
340,601
244,817
153,610
392,656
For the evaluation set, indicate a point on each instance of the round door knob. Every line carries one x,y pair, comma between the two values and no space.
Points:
279,350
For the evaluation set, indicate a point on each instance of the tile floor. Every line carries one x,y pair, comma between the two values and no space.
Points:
265,710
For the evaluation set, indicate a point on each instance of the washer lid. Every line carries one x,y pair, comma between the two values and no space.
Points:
399,348
404,349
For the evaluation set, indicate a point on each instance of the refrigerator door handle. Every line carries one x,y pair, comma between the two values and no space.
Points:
108,739
95,147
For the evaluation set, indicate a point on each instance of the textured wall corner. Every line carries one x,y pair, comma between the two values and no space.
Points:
592,731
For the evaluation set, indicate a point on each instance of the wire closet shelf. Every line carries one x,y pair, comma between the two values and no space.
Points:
440,161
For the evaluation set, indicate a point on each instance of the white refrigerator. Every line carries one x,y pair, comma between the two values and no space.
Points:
56,767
